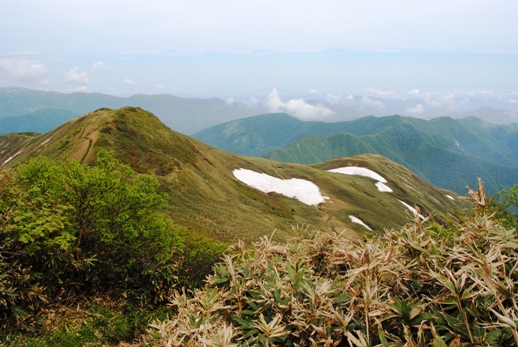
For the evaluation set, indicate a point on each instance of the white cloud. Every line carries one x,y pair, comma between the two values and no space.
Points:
99,65
448,101
349,97
130,82
76,77
372,103
297,107
14,69
386,94
512,116
313,91
479,94
252,102
413,92
159,86
333,98
229,101
416,110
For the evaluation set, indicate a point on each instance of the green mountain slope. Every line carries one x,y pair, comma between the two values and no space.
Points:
39,121
206,198
448,153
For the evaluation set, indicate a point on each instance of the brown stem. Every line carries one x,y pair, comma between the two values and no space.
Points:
78,242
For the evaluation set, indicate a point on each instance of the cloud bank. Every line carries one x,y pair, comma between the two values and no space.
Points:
298,108
79,79
20,70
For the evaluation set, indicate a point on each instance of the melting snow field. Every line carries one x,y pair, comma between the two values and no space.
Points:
411,209
361,171
382,187
10,158
302,190
306,191
359,221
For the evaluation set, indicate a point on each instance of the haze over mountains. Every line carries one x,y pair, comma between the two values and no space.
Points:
44,110
447,152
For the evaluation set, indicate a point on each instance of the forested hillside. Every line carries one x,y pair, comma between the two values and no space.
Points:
448,153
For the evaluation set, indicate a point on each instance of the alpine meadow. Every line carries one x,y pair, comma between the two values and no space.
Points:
232,173
118,230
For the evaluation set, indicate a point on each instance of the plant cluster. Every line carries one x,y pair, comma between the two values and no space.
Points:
70,230
422,285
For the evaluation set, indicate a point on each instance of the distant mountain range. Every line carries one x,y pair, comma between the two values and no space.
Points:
449,153
44,110
206,197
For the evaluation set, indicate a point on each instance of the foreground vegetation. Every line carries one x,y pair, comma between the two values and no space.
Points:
423,285
87,258
72,232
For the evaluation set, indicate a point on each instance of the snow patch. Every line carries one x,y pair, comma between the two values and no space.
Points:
359,221
47,140
10,158
305,191
361,171
382,187
411,209
458,144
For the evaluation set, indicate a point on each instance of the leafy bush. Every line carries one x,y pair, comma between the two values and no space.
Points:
69,229
422,285
505,206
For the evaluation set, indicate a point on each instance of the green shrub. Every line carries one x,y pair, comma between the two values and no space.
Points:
68,229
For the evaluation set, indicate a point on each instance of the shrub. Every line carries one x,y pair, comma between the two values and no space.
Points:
68,229
422,285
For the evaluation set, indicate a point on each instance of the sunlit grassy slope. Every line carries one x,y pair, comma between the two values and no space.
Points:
206,198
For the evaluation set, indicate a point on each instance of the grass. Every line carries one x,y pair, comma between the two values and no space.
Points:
99,323
204,196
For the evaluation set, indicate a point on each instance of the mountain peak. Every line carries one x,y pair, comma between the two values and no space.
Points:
204,194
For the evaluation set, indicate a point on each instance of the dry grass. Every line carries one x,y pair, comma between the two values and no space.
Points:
422,285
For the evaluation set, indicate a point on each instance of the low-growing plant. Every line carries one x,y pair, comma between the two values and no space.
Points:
422,285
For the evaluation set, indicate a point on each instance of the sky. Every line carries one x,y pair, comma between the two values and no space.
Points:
273,51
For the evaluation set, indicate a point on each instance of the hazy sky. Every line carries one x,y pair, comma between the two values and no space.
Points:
247,48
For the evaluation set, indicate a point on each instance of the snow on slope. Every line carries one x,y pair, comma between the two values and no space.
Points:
302,190
382,187
361,171
411,209
10,158
359,221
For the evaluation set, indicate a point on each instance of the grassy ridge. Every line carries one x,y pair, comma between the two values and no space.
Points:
203,195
